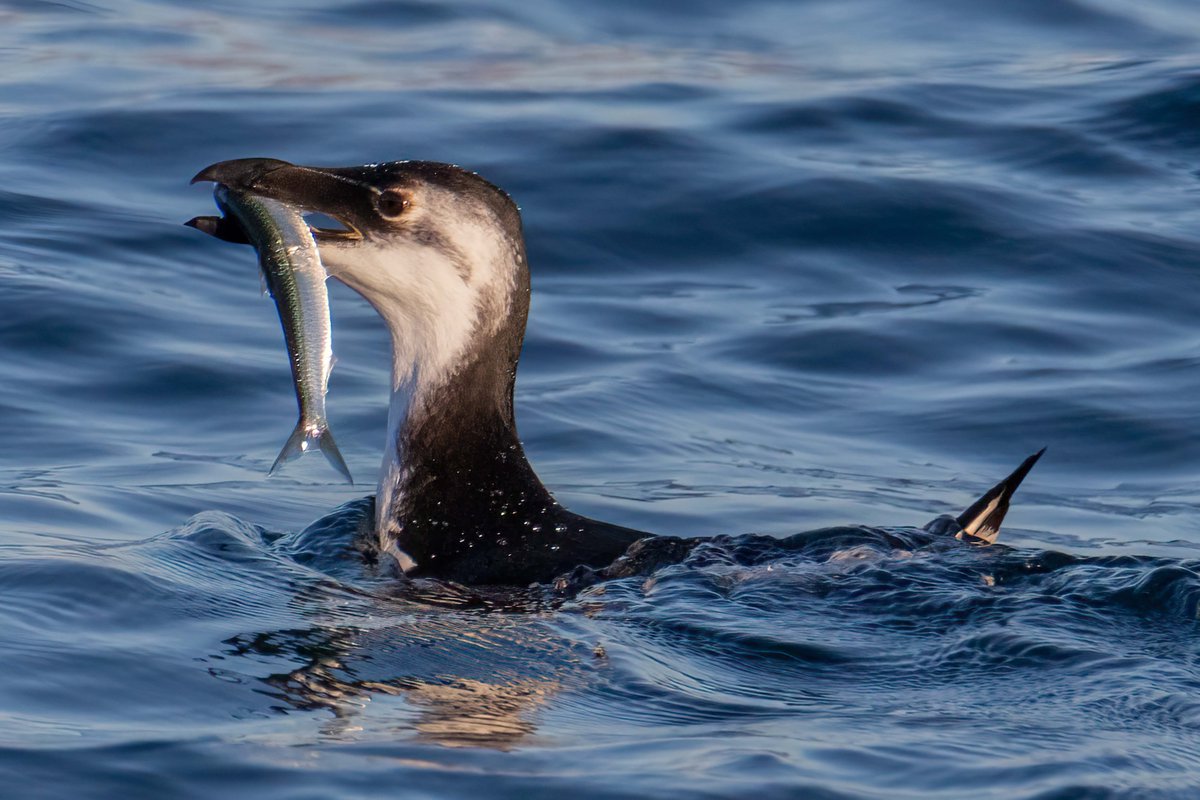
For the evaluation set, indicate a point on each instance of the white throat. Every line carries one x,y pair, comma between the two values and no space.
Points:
438,307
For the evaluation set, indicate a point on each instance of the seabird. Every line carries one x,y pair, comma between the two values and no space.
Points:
439,252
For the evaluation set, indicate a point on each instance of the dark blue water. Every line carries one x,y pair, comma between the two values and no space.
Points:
796,264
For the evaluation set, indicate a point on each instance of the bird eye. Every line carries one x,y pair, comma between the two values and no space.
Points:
392,204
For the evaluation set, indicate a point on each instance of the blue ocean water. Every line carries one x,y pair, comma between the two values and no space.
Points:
795,264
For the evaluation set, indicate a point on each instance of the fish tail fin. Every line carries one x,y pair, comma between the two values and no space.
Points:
309,435
333,455
981,521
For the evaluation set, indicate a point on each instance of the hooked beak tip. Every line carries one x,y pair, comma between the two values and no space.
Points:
240,172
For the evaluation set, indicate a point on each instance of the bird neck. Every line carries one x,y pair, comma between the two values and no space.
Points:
455,476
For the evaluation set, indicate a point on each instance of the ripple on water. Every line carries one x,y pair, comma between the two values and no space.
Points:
746,633
795,264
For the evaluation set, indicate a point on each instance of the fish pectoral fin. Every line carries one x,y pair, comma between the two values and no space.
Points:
307,436
981,521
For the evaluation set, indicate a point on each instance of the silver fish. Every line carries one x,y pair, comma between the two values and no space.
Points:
295,277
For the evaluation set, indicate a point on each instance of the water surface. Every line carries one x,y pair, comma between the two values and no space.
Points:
795,264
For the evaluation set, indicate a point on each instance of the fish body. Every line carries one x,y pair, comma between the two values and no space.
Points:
293,273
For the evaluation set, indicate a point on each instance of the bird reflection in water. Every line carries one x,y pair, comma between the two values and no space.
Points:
469,678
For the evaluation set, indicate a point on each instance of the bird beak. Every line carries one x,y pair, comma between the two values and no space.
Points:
242,174
314,189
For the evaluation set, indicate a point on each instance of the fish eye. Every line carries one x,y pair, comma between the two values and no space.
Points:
393,203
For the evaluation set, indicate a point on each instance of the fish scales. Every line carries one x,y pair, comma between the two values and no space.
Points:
295,277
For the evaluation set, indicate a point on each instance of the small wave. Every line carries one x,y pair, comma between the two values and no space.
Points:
1164,118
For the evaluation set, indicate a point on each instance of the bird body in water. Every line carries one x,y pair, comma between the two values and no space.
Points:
439,253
